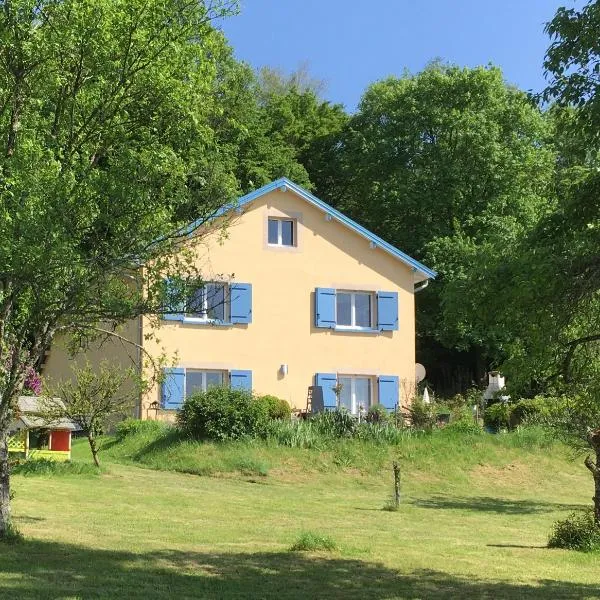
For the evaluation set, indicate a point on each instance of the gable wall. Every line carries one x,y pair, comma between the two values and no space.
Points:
284,280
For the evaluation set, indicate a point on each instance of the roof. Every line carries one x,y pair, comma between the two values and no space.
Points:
29,410
420,270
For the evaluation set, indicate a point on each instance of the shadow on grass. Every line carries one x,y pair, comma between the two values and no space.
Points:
39,569
497,505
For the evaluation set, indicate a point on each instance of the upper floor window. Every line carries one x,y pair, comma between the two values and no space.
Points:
354,309
282,232
208,302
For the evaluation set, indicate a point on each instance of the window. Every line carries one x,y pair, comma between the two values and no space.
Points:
356,393
282,232
200,381
207,303
354,310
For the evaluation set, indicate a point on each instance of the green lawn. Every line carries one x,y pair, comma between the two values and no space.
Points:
473,523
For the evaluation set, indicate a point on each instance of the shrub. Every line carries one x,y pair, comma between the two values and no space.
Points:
577,532
378,414
538,410
498,415
313,542
335,423
137,426
422,416
277,408
465,426
223,413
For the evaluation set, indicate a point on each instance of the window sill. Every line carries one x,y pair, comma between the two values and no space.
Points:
344,329
213,322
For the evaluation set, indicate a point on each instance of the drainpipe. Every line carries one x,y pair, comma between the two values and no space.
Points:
421,286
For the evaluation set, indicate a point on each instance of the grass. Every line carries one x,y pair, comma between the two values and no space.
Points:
313,542
474,521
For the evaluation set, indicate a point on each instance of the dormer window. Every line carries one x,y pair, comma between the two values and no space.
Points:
282,232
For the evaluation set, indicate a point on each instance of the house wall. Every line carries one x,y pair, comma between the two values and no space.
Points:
282,331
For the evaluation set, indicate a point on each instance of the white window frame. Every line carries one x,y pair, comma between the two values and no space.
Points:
354,402
204,372
353,294
194,318
279,221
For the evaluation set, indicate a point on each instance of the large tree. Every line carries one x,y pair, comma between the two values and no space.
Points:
451,165
106,148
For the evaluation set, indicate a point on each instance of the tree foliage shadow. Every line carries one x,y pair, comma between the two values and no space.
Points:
497,505
40,569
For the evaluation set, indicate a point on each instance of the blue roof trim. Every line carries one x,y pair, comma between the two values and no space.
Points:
336,214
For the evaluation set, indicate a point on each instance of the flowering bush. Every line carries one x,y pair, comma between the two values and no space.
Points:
33,383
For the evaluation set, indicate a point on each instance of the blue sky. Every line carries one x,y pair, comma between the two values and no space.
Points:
351,43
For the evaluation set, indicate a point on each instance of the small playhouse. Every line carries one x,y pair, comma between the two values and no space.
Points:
30,436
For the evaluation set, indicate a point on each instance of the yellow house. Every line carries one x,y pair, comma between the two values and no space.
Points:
297,295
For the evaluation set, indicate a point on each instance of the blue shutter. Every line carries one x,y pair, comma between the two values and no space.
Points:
173,386
176,309
388,391
325,307
241,380
327,381
387,311
241,302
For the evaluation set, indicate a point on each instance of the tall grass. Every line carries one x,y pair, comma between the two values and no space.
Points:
308,446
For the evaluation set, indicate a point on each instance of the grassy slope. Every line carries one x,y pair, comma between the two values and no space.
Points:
473,523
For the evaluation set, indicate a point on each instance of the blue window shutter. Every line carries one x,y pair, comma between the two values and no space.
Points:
388,390
176,310
327,381
325,307
387,311
241,380
173,386
241,302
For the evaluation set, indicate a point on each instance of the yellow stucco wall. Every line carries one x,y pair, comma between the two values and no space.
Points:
282,329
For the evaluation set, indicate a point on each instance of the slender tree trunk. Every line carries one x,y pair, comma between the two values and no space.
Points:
594,439
93,448
4,486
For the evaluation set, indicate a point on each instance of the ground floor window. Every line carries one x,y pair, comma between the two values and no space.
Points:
200,381
356,394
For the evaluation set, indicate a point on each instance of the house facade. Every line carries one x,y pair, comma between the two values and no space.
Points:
296,294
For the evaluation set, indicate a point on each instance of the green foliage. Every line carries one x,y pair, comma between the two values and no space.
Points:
378,414
51,468
497,415
463,426
138,426
335,423
11,534
313,542
223,413
421,415
578,531
276,407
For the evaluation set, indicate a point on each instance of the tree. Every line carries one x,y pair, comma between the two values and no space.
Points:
106,149
91,398
451,165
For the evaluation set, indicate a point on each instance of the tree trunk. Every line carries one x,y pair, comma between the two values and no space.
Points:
4,487
94,449
594,439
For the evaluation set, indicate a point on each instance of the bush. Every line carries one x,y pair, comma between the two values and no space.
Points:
464,426
379,415
577,532
223,413
335,423
422,416
313,542
137,426
538,410
498,415
277,409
